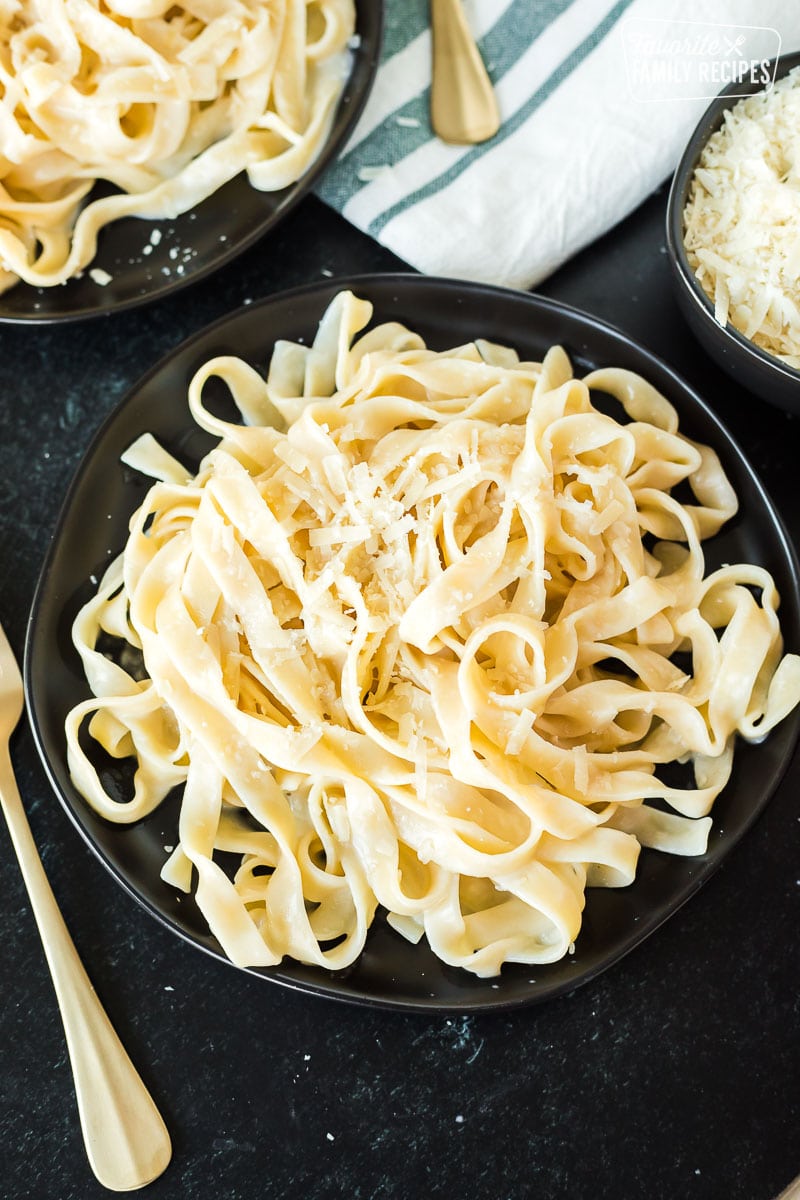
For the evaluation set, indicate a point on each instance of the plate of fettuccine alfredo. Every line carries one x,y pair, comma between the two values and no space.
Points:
148,143
415,643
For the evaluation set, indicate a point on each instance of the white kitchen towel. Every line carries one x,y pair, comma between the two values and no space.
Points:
597,99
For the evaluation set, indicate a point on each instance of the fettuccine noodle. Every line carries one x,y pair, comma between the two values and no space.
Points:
165,102
420,634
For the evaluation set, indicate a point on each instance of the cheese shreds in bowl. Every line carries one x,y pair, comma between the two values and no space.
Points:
742,221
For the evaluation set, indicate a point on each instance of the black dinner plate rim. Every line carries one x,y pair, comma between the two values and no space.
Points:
365,52
419,292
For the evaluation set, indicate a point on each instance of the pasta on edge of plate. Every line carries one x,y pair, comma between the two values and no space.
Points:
420,633
163,102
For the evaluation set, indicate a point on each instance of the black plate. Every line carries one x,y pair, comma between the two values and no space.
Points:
206,238
391,972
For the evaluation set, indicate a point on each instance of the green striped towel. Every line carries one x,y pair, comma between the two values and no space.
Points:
595,111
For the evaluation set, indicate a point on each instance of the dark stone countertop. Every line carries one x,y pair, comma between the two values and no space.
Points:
674,1074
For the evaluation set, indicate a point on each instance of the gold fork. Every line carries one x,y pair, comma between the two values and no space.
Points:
463,103
126,1139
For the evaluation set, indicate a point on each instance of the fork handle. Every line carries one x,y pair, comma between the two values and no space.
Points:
126,1140
463,104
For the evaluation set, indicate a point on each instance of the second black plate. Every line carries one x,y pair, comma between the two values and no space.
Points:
147,260
391,972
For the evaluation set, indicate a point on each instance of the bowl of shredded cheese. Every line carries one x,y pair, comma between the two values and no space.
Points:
733,234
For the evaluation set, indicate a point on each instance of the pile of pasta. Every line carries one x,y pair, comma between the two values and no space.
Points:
165,102
420,633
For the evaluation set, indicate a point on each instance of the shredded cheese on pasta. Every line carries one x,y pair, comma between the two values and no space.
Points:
421,634
163,102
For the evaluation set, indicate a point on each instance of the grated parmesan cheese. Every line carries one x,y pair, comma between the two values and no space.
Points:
742,221
523,725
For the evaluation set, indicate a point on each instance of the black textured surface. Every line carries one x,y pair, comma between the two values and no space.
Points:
675,1074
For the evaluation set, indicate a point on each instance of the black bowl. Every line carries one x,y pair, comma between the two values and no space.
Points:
740,358
94,523
187,248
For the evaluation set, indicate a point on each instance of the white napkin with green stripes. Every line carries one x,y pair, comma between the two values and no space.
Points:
597,99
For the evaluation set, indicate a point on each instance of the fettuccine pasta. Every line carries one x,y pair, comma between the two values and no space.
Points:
421,634
164,102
